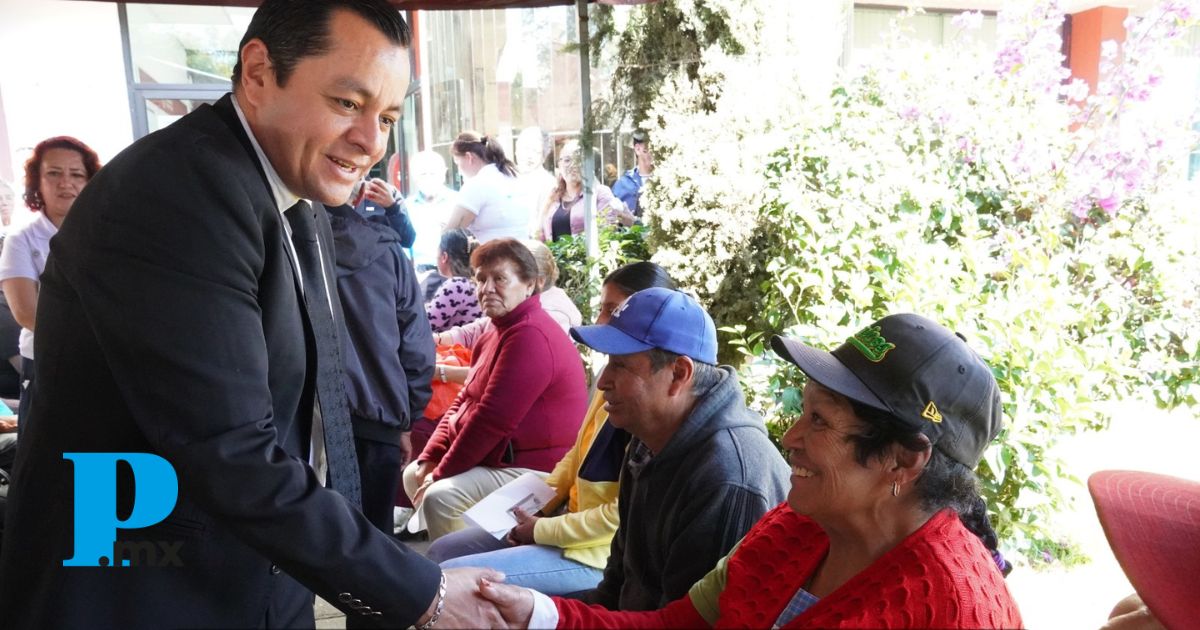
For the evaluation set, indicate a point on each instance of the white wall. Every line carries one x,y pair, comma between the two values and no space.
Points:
61,72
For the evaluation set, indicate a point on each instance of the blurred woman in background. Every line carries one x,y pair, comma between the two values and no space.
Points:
54,176
490,201
563,213
454,303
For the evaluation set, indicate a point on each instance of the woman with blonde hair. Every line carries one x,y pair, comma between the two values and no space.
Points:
564,210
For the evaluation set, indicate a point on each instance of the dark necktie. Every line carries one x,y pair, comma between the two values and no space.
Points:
330,405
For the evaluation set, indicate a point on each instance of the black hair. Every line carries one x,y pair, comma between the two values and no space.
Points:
458,245
486,149
295,29
637,276
945,483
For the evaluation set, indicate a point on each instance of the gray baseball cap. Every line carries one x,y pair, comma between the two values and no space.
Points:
916,370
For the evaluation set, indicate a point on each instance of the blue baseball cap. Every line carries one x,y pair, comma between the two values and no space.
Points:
655,318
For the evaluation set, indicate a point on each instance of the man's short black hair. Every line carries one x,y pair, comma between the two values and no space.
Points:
295,29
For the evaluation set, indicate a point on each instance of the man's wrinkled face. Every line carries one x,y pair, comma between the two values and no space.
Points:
634,392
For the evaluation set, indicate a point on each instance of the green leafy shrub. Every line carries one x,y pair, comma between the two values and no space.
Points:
579,276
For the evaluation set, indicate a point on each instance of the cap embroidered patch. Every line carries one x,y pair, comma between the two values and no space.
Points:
931,412
620,308
871,343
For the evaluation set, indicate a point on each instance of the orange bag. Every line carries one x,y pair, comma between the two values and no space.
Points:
445,393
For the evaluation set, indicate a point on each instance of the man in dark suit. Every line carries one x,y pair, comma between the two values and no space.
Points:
184,314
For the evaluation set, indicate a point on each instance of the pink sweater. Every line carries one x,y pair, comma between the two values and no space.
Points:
523,401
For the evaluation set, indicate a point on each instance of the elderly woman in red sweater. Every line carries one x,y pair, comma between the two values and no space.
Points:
883,526
521,405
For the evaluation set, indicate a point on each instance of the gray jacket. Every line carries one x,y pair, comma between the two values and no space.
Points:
684,509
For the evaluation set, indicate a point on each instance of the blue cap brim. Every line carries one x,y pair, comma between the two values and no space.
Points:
609,340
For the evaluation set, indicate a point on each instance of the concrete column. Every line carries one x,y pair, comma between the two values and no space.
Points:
1088,29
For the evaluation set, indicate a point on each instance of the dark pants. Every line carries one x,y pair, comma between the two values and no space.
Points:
379,468
422,430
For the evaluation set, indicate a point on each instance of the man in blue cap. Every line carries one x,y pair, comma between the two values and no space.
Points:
699,470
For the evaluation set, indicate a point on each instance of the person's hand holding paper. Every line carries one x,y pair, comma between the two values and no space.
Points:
497,512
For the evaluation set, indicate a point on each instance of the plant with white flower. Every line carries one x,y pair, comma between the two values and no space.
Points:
978,186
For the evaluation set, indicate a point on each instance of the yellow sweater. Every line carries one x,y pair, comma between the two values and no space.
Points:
585,532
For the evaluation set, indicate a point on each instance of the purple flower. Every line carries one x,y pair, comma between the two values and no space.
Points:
1109,204
1009,59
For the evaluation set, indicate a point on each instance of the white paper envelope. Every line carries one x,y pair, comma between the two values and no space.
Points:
494,513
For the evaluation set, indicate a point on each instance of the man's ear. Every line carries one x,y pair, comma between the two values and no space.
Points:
682,371
258,73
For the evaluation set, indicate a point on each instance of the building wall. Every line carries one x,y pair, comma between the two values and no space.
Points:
61,72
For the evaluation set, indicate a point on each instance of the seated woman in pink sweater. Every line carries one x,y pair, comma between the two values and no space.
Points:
524,398
883,526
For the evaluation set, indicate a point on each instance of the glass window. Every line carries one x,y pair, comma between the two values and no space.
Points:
175,44
937,28
500,71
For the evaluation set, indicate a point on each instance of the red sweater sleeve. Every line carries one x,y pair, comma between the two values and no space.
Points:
439,442
680,613
522,371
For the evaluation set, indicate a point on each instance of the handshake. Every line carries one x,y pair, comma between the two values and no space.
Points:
478,598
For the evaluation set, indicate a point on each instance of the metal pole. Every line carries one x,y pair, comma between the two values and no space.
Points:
585,142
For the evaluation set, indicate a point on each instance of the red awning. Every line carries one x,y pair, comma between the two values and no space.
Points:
460,5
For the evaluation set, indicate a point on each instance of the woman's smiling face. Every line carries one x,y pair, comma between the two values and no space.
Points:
827,479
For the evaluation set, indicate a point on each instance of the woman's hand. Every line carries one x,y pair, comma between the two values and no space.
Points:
424,476
514,603
522,534
379,192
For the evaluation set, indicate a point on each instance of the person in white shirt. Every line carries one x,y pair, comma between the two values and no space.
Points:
536,182
489,202
54,176
8,203
429,207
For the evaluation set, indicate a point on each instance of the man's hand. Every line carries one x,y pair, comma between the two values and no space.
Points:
522,534
379,192
406,453
8,424
464,607
515,604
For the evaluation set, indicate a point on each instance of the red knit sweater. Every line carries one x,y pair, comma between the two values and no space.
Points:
939,577
523,401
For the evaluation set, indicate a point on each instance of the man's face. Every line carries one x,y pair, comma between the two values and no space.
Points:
331,121
529,152
645,159
633,393
429,178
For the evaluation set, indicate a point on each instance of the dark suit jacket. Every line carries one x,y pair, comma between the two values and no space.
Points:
169,322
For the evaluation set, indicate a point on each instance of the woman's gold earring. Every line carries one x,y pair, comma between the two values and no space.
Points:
895,488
